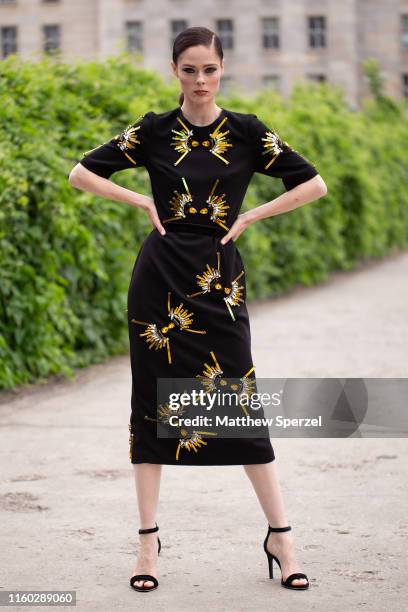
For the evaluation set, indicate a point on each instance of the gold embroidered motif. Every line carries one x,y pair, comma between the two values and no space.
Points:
218,206
180,319
128,138
165,412
273,145
180,140
220,143
210,374
131,441
179,201
208,281
189,441
212,379
193,440
179,206
183,140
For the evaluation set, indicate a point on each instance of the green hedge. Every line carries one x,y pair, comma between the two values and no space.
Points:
66,255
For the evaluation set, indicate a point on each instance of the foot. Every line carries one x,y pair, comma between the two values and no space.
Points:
280,544
147,559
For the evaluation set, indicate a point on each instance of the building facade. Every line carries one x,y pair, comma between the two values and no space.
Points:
267,43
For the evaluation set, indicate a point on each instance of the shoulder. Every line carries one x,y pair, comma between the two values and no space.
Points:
248,123
232,114
238,118
163,117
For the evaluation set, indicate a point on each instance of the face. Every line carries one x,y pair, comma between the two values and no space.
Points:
198,67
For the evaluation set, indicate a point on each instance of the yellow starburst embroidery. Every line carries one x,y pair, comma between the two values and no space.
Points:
128,138
218,207
273,145
131,441
188,441
183,141
193,440
179,202
164,413
212,379
209,281
220,142
180,319
180,205
210,374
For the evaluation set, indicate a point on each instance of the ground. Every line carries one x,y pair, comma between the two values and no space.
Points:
67,504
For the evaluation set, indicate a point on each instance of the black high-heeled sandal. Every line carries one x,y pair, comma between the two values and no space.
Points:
296,576
143,577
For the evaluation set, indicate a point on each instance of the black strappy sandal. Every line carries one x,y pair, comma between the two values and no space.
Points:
138,577
288,582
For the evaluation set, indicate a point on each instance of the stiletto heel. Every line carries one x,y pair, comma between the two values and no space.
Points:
138,577
296,576
270,561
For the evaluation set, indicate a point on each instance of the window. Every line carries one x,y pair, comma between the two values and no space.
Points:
225,32
51,34
134,36
8,40
405,85
270,33
404,31
271,81
317,31
177,26
318,78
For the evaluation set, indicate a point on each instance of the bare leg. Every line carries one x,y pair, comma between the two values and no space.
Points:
265,481
147,482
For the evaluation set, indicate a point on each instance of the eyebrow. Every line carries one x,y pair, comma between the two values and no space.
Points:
193,66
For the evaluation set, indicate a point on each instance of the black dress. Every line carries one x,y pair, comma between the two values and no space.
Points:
187,315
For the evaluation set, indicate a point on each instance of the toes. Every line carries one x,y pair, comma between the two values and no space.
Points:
299,582
144,583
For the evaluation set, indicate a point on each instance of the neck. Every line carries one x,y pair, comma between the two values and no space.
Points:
200,114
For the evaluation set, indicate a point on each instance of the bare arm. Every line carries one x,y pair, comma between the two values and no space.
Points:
85,180
306,192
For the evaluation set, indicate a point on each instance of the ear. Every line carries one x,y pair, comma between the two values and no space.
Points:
173,67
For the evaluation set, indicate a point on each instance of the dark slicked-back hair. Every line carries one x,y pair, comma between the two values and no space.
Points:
190,37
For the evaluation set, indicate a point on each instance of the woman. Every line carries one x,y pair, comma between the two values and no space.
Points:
187,292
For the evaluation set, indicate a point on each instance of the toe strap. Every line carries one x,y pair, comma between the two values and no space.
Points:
295,576
143,577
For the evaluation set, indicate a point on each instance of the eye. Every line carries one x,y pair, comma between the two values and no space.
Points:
212,69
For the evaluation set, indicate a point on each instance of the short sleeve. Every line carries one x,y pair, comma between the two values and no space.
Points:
275,157
128,149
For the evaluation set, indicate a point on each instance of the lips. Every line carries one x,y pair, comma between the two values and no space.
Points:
200,91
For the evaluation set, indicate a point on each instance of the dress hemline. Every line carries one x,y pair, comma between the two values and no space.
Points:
201,464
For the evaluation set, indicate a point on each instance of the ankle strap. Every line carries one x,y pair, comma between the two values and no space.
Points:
150,530
288,528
